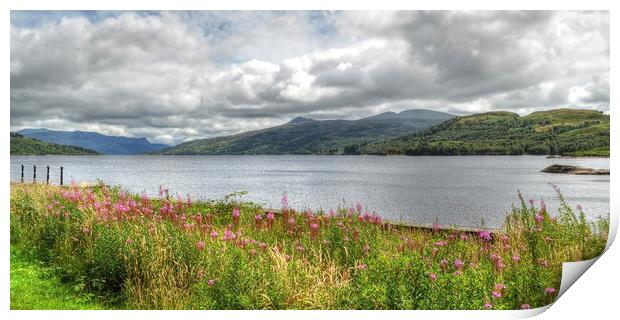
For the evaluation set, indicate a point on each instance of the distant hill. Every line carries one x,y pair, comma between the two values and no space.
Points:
560,131
94,141
308,136
21,145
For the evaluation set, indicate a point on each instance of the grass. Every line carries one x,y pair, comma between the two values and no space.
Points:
169,252
596,152
35,287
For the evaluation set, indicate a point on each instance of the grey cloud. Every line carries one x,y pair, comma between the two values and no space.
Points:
175,76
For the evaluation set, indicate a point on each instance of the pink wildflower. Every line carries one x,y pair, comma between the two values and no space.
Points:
200,245
433,277
539,218
270,217
284,201
550,291
458,263
211,282
236,214
496,294
485,235
443,264
258,220
525,306
366,248
358,208
487,306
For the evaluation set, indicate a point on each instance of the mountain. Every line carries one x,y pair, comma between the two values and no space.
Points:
309,136
21,145
94,141
561,131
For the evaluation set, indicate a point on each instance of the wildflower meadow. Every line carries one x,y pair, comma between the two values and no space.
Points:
131,251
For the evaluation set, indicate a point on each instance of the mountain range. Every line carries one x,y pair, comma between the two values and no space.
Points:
576,132
21,145
94,141
309,136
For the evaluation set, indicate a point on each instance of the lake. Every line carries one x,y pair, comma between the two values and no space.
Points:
453,190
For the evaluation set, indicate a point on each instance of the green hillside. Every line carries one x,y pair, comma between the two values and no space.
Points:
560,131
307,136
21,145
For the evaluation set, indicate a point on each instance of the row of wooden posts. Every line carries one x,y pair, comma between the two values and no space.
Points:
47,175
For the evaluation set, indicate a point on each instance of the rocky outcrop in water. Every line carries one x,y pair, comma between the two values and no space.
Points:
562,168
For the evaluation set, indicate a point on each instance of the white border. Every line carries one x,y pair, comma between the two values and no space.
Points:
594,294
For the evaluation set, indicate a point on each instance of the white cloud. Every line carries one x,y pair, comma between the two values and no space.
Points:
175,76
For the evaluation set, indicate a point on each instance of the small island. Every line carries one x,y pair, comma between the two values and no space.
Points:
561,168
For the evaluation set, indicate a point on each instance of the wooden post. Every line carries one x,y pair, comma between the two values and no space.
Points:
61,171
47,181
22,173
34,173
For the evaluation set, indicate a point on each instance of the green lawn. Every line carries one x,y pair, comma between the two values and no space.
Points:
34,287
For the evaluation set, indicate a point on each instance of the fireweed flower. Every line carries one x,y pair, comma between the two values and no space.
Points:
443,264
550,291
200,245
485,235
539,218
366,248
500,287
499,265
525,306
496,294
213,234
314,230
211,282
270,217
516,258
258,220
284,201
358,208
487,306
236,214
458,264
433,277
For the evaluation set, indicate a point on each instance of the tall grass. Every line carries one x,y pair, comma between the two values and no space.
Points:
169,252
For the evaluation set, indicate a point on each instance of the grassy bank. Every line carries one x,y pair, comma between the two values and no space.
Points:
35,287
169,252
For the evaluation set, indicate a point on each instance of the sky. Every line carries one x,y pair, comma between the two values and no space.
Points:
176,76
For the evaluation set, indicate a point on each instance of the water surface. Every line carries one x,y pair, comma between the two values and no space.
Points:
459,190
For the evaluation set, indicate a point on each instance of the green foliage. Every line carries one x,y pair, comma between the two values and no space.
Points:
306,136
561,131
21,145
35,287
168,253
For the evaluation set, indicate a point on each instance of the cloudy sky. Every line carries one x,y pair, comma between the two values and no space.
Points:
175,76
